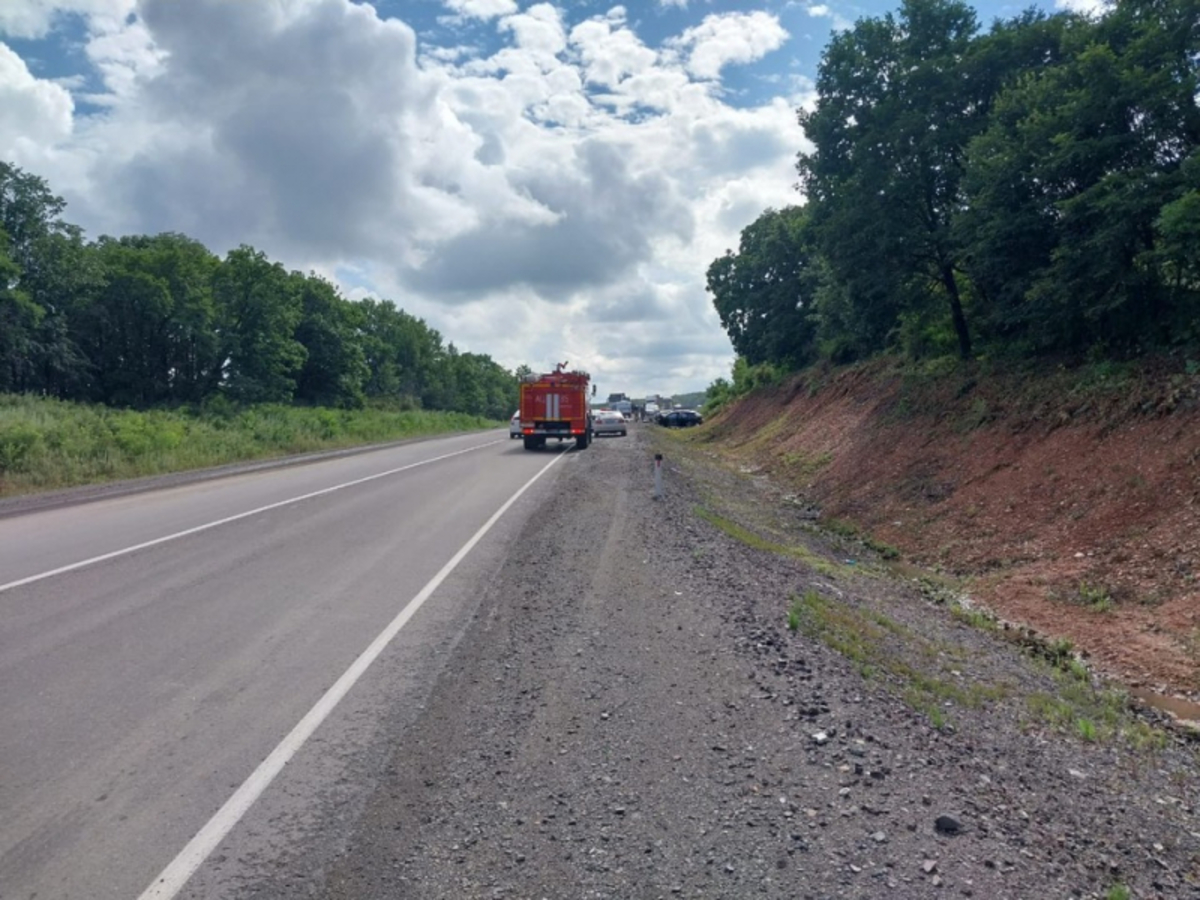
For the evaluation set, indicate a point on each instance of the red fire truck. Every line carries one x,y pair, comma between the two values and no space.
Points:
556,405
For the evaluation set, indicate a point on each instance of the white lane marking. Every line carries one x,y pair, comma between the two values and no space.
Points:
244,515
172,879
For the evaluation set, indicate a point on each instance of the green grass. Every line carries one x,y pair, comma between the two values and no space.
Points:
47,444
880,647
1087,729
750,539
850,531
1094,713
1095,597
975,618
1118,892
804,465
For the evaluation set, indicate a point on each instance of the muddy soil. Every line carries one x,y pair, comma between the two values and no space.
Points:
1069,500
634,714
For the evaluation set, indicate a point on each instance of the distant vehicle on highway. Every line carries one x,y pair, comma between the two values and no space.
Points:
514,425
680,418
609,422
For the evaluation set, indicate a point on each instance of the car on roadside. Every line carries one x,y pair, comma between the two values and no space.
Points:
514,425
680,418
609,422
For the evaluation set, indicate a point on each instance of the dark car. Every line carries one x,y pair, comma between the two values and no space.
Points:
680,418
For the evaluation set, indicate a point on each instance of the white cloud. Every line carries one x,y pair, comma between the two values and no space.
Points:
482,9
610,52
35,18
730,38
822,11
34,113
535,204
1084,7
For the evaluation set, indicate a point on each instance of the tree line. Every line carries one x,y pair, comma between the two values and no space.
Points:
150,321
1027,190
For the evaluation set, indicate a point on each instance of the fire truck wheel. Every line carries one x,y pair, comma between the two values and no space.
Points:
581,442
532,443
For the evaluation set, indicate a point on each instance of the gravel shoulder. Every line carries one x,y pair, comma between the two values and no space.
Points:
634,713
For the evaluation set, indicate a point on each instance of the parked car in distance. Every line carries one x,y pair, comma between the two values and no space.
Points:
680,418
608,422
514,425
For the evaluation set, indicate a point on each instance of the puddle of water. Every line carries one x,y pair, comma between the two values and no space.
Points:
1182,709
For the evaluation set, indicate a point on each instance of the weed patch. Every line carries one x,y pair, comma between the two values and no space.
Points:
805,466
879,646
975,618
1093,713
850,531
1095,597
750,539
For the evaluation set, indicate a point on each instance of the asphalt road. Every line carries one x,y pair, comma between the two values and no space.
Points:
141,688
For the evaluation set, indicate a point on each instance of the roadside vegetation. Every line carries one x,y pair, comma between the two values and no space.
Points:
926,667
1026,191
145,354
159,321
47,444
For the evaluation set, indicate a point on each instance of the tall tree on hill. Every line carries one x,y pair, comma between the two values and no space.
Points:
765,293
892,119
1086,159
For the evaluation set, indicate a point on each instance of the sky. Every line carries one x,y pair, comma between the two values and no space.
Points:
539,181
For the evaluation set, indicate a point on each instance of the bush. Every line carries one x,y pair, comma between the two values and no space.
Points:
19,444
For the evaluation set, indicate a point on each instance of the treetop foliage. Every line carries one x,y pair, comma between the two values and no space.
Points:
147,321
1029,189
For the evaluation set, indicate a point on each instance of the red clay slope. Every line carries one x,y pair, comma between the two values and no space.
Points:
1070,499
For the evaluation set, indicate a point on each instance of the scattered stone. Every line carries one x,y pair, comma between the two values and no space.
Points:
929,866
947,825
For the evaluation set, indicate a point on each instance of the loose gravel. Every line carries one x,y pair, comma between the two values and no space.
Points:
632,715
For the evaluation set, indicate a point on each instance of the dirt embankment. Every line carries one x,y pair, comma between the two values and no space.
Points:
1069,500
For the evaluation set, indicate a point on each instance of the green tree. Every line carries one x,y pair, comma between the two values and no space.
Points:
765,293
259,310
149,330
19,321
401,352
53,271
892,119
335,367
1068,187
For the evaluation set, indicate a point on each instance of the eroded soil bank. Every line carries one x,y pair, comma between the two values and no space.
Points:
1067,500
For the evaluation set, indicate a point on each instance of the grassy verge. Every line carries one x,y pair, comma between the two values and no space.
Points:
47,444
920,669
751,539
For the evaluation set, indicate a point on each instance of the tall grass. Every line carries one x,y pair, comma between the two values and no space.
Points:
47,444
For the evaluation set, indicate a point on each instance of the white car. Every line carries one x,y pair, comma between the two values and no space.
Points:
514,425
608,422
